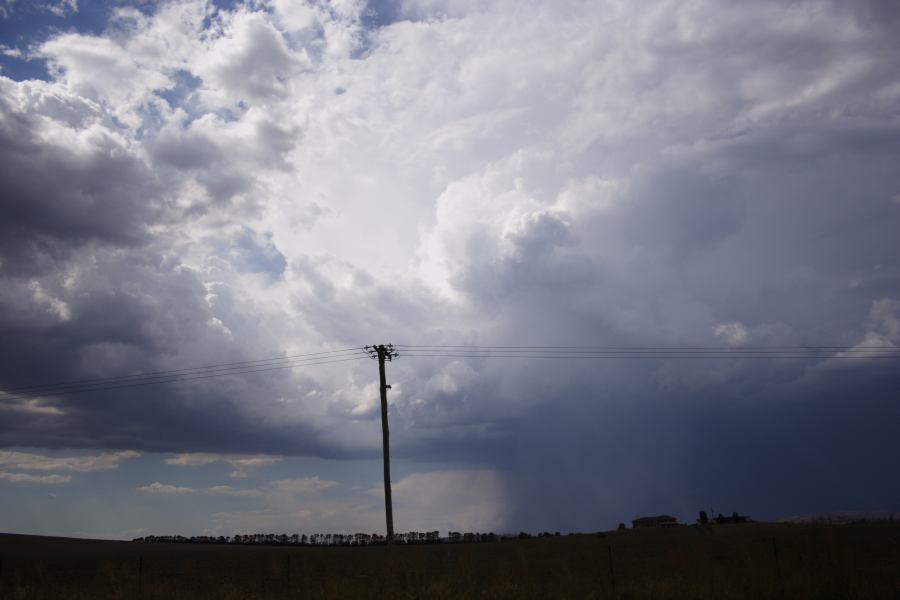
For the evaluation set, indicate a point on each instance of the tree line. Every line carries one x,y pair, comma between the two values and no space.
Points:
325,539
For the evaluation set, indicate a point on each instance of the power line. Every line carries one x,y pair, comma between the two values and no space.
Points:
663,348
575,353
652,352
795,352
176,379
693,356
157,380
189,370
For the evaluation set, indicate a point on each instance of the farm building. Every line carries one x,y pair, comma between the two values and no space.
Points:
660,521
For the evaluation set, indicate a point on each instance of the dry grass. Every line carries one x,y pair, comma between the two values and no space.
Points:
720,562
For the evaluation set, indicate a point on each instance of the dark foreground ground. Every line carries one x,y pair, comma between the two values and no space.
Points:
750,561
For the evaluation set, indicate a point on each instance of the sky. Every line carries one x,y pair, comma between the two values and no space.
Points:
188,183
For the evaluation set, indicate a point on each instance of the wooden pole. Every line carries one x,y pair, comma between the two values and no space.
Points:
385,440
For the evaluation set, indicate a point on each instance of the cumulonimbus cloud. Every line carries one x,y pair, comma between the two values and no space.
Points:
522,173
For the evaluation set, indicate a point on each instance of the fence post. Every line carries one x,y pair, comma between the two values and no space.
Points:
289,574
140,574
612,573
778,568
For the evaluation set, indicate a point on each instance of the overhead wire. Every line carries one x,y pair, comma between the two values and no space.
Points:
235,364
653,356
452,351
711,348
187,374
649,352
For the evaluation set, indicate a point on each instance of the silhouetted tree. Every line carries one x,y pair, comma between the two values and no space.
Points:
704,518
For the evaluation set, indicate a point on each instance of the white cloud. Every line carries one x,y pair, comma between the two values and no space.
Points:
734,334
8,51
243,464
61,8
334,516
883,329
294,16
55,306
160,488
249,62
334,28
885,319
35,406
459,500
82,464
227,490
220,490
304,485
27,479
99,69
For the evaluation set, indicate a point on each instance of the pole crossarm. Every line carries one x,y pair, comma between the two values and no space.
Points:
379,351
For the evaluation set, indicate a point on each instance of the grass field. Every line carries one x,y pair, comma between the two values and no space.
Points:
777,561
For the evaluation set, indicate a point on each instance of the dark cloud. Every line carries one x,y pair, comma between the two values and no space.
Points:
57,199
183,150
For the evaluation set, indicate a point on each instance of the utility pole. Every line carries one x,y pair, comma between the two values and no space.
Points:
382,353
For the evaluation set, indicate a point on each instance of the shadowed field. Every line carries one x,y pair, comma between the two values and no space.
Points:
724,561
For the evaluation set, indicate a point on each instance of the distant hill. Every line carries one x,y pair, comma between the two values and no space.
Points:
16,543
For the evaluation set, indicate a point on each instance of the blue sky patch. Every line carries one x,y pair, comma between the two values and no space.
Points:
25,25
